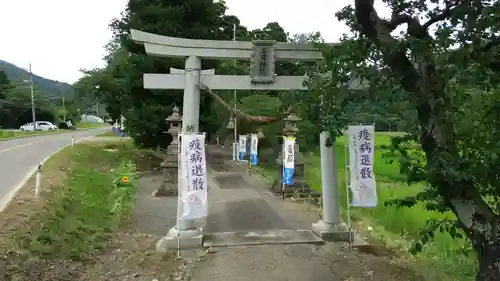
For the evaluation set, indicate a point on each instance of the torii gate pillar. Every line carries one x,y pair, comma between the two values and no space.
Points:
191,101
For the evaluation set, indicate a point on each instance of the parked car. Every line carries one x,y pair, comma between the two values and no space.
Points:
40,126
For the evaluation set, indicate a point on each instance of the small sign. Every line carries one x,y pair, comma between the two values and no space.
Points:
263,62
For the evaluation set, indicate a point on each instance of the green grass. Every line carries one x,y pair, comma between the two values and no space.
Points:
90,125
108,134
442,259
79,217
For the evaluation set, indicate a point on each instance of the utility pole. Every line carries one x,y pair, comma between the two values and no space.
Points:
32,90
63,98
235,145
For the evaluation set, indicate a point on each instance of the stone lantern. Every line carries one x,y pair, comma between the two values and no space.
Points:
299,186
260,134
170,165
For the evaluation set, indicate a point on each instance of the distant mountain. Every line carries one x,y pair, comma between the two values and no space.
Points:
49,88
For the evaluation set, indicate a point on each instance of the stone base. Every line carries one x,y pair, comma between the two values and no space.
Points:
162,192
300,190
184,239
332,232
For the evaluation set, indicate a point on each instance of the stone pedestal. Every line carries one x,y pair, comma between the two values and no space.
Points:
170,169
180,239
299,188
332,231
229,139
170,165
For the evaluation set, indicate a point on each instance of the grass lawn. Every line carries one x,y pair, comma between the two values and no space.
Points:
443,259
80,206
109,134
90,125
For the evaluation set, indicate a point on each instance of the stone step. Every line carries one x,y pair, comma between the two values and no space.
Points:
224,239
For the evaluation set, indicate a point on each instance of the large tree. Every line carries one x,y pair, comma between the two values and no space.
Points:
439,59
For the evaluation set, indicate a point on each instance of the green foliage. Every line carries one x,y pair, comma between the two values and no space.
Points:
144,126
260,104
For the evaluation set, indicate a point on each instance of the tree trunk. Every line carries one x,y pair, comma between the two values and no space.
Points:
489,264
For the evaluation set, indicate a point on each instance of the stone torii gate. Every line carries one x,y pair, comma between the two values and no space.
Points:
262,55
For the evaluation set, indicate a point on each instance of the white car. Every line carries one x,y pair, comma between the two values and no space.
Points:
40,126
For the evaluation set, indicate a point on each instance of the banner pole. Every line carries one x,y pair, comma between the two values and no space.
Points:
179,182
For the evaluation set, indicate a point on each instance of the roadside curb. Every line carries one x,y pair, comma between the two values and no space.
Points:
12,194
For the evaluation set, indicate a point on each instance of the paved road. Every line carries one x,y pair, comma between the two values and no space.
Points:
18,157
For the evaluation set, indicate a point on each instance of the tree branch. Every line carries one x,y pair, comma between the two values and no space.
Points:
479,54
378,31
441,16
398,19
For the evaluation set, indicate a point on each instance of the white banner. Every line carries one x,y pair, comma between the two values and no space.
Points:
254,151
288,159
361,151
193,181
242,147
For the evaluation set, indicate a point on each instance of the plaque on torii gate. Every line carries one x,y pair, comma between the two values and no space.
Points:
262,55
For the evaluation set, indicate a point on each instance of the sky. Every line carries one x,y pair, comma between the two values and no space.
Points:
60,37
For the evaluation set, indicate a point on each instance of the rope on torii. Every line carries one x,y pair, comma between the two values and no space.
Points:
242,115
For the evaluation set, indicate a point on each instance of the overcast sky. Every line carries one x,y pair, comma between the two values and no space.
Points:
59,37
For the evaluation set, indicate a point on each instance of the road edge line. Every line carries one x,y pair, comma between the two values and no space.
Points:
12,194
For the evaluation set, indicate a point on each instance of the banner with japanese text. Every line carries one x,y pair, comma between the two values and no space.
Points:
254,151
288,159
242,147
361,154
193,180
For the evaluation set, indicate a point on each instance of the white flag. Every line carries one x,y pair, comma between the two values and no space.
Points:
254,151
194,182
288,159
361,151
242,147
